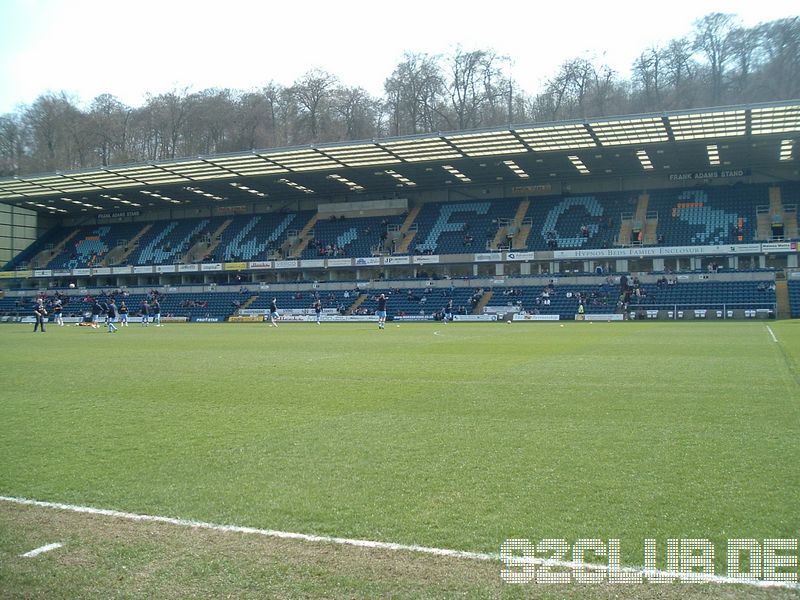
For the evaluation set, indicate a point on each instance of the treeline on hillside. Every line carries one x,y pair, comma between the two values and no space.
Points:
718,62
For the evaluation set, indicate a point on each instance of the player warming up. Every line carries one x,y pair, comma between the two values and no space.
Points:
145,311
448,311
40,313
111,313
123,314
381,312
273,312
318,309
57,312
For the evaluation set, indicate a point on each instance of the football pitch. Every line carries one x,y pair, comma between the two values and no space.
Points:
456,436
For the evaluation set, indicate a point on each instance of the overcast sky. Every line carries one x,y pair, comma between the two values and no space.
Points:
135,47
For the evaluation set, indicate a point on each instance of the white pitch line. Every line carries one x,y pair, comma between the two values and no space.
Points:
696,577
774,339
41,550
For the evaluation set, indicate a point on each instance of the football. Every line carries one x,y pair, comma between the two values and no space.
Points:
72,286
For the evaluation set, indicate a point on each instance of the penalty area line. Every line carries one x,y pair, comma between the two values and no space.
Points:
41,550
465,554
774,339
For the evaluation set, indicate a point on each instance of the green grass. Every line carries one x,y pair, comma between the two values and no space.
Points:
459,439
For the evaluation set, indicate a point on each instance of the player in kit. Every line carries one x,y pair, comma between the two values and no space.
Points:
111,314
97,310
145,310
155,310
273,312
40,313
57,316
318,309
448,311
123,314
381,312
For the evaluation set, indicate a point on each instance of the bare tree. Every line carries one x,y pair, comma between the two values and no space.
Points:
745,52
356,111
109,121
780,42
169,113
50,121
477,88
648,76
680,70
312,93
11,145
712,40
414,94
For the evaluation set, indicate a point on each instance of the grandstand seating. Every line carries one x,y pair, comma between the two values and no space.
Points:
258,237
304,300
794,297
444,227
88,247
167,243
600,213
351,236
48,240
420,301
603,298
563,301
709,215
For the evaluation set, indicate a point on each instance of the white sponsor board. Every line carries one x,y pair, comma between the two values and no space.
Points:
744,248
159,269
330,318
211,267
42,272
425,259
121,270
84,272
260,264
414,318
488,257
604,317
286,264
535,317
101,271
340,262
188,268
473,318
779,247
642,251
520,255
62,273
368,260
312,262
396,260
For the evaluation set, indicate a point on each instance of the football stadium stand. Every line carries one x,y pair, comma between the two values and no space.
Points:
484,218
671,218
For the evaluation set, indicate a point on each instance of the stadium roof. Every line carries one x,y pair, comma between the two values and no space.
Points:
735,137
